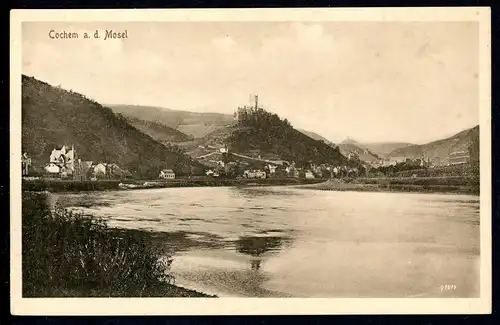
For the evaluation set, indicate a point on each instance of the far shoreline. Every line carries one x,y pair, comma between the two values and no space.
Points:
452,185
58,185
339,186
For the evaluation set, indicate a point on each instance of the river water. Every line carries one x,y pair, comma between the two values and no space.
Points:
291,242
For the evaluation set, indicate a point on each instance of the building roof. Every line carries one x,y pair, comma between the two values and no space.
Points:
167,170
87,164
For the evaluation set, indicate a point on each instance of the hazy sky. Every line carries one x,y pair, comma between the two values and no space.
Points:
413,82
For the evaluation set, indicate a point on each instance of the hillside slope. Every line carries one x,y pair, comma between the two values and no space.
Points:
157,131
364,154
260,133
439,150
191,123
53,117
383,149
316,136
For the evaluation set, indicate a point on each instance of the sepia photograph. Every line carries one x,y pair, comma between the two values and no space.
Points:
282,154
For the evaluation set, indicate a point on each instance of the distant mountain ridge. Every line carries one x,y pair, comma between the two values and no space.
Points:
440,150
351,142
316,136
53,116
157,131
358,149
191,123
384,149
348,146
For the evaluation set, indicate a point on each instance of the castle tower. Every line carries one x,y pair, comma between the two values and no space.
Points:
254,101
236,114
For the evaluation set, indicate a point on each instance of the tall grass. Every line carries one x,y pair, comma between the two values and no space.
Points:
69,254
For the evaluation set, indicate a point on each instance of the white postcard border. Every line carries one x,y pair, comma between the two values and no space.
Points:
253,306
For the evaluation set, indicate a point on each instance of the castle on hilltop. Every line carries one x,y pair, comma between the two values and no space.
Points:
253,104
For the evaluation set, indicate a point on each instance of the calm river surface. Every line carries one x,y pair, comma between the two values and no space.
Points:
291,242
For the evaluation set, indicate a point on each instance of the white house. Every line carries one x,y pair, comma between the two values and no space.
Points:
52,168
100,169
309,174
352,155
223,149
64,157
272,169
254,174
167,174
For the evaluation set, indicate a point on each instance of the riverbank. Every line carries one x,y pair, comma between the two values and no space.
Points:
57,185
454,185
211,182
60,185
67,254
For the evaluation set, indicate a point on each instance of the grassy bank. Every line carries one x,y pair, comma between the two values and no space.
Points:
457,186
66,254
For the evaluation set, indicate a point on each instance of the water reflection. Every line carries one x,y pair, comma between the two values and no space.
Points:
345,244
252,192
256,247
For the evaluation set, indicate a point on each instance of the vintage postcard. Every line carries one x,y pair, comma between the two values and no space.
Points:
251,161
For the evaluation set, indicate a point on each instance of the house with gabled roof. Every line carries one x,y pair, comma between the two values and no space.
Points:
167,174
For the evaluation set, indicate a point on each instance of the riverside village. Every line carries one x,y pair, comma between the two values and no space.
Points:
260,159
220,162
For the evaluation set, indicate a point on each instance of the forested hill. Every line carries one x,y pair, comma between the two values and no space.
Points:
259,130
53,116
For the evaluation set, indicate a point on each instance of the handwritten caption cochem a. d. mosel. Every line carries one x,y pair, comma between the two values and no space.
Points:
98,34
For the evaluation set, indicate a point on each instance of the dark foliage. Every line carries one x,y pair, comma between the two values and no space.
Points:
268,133
70,254
53,116
404,170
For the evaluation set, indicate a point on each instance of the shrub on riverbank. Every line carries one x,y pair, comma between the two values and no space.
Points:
69,254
